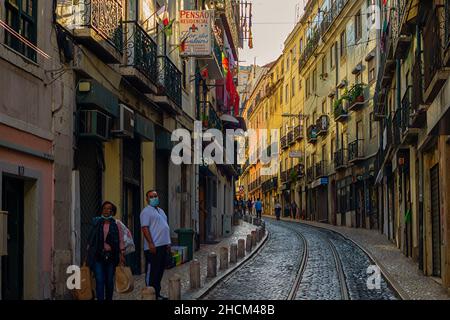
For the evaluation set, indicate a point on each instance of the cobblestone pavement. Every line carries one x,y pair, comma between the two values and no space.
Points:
403,272
239,232
271,274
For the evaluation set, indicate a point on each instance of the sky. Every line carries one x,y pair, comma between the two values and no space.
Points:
272,23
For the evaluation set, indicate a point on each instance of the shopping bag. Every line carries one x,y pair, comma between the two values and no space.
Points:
86,284
127,238
124,279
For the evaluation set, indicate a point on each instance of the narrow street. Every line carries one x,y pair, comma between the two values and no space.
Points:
301,262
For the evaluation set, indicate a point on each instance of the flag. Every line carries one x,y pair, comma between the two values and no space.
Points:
168,29
183,46
225,64
163,15
204,73
250,40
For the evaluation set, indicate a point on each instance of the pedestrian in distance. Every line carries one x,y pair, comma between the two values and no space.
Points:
277,210
258,208
157,242
294,210
105,250
249,206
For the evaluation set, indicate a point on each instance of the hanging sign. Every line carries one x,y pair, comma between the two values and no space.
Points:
196,32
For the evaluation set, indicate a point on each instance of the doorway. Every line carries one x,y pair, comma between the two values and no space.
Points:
13,264
436,221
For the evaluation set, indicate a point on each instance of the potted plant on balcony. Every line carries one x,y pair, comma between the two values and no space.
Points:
338,107
205,120
357,93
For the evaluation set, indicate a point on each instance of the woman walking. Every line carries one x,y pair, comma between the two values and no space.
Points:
105,250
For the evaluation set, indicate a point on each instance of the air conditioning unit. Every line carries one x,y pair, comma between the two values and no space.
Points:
124,126
3,233
93,124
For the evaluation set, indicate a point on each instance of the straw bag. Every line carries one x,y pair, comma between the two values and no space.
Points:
86,284
124,279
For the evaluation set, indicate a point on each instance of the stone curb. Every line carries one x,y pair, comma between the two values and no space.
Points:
391,281
214,282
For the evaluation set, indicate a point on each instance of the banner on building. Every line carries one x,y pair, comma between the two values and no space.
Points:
196,33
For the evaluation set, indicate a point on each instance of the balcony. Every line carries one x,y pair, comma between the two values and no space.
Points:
140,64
435,71
298,133
401,37
409,134
312,134
340,113
310,174
340,160
311,46
356,151
284,143
97,24
323,124
169,85
284,176
214,63
270,185
447,32
418,113
290,138
357,97
321,169
300,170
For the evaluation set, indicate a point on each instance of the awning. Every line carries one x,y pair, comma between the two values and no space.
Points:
231,122
320,182
229,118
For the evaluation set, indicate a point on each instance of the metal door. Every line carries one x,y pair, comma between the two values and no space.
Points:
12,264
436,221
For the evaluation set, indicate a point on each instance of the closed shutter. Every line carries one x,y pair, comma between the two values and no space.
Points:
436,221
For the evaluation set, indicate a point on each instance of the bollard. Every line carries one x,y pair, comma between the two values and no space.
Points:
258,235
223,258
233,252
148,294
248,243
253,238
194,273
175,288
212,265
241,249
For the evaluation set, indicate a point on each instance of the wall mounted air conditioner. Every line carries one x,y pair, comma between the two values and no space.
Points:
124,126
93,124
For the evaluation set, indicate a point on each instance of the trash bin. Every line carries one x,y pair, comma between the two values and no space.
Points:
186,239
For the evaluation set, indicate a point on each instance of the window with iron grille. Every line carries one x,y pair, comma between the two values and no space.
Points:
21,17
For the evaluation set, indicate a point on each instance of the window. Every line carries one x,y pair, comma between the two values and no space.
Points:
21,16
324,66
308,87
185,74
281,95
301,46
287,61
314,81
293,87
371,68
324,152
294,54
287,94
333,55
343,44
358,26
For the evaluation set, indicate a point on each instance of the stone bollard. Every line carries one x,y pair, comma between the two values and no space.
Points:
248,243
253,238
258,234
233,253
241,249
194,274
175,288
223,258
212,265
148,293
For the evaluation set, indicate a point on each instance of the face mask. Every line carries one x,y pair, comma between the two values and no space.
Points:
107,218
154,202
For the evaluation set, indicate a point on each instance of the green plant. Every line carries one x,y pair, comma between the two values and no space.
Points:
293,176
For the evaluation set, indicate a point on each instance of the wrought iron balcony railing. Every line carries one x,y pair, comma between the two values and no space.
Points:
284,177
356,150
406,110
140,50
418,111
340,114
105,17
290,137
298,132
300,170
321,169
170,80
283,142
340,159
447,23
310,174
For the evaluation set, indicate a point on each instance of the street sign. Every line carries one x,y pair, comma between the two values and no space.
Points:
296,154
196,32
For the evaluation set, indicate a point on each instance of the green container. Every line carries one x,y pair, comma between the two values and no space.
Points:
186,239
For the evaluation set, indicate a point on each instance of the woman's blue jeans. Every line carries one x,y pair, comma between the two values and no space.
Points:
104,279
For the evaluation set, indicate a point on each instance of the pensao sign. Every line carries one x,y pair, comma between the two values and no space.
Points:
196,32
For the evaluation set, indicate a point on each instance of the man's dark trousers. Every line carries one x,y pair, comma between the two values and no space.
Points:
157,264
258,214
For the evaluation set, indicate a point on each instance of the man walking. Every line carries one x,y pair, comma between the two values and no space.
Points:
258,208
249,206
157,242
277,209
